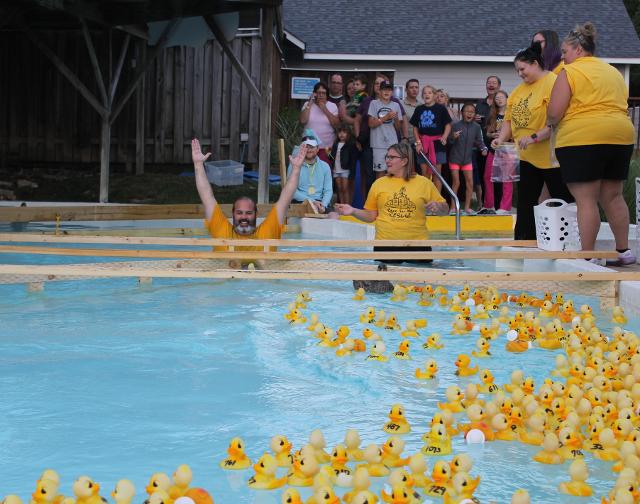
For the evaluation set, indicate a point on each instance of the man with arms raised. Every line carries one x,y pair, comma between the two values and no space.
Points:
245,210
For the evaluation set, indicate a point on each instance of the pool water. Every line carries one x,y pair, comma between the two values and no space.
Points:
113,380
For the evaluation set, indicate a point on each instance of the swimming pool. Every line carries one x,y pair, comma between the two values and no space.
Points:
113,380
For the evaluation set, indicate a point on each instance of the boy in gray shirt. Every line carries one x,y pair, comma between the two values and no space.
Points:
385,118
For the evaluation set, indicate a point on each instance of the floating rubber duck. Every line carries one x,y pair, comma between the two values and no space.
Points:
295,316
534,435
440,476
403,350
337,469
377,352
198,496
359,294
346,348
181,480
578,485
11,499
462,488
281,448
520,496
397,423
429,372
477,416
86,491
381,318
462,462
392,452
291,496
520,343
323,495
237,459
461,325
482,344
606,449
488,386
157,497
481,312
46,491
410,331
438,442
549,453
158,481
454,400
373,457
313,322
618,316
500,426
586,313
124,492
571,444
400,494
399,293
433,342
265,474
361,483
418,467
352,442
304,468
369,333
547,310
426,299
317,442
369,316
463,364
392,323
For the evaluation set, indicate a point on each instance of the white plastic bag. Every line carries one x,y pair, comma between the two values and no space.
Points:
506,164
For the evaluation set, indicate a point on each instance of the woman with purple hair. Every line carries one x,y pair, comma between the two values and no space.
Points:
551,54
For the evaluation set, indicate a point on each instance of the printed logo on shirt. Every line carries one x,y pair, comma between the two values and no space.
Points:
400,206
427,119
383,111
520,113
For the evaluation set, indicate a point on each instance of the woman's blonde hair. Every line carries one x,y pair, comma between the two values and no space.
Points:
429,86
584,36
405,152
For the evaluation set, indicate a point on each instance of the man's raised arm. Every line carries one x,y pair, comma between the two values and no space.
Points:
202,182
286,195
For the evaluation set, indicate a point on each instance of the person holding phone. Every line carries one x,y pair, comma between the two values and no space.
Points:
320,115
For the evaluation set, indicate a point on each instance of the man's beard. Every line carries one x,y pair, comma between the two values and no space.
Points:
244,226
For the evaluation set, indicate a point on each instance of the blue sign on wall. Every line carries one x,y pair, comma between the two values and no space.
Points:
302,87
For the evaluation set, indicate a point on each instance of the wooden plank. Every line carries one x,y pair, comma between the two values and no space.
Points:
412,276
93,58
234,98
283,162
298,256
197,92
254,104
158,108
168,92
226,103
207,91
119,212
178,102
187,125
245,98
141,47
266,93
216,100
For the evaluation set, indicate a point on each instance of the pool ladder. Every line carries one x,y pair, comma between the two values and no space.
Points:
453,195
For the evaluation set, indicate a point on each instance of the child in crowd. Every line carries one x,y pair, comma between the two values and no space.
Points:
360,87
344,155
431,127
385,118
467,134
494,123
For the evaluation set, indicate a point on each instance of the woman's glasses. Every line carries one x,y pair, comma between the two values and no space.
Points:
389,157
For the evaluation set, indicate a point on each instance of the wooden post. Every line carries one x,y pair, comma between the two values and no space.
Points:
140,103
105,148
264,157
283,162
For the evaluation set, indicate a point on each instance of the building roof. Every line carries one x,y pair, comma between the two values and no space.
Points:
458,30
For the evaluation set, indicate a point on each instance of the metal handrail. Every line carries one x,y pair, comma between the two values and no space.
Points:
449,190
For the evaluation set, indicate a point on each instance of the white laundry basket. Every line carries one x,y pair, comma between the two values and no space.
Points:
557,225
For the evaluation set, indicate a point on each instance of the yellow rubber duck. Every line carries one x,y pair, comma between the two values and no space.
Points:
500,426
481,312
86,491
124,492
482,344
323,495
304,468
361,483
571,444
410,331
429,372
369,333
181,480
454,400
337,467
461,325
352,442
399,293
403,350
618,316
438,442
346,348
488,386
392,323
291,496
477,416
549,453
46,491
463,364
534,435
369,316
418,467
265,474
158,481
281,448
400,494
359,294
313,322
433,342
462,488
607,448
426,299
586,313
462,462
372,455
377,352
397,423
578,485
11,499
157,497
237,459
440,476
547,310
392,452
381,318
520,344
317,442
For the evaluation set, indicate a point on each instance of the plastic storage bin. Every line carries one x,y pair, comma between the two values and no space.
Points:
557,225
225,172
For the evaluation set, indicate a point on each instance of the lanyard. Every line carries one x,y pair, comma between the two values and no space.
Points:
312,170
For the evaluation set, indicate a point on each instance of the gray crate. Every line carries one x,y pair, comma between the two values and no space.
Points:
225,172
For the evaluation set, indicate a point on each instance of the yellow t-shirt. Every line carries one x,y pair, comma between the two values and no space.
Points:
401,207
220,227
527,111
597,112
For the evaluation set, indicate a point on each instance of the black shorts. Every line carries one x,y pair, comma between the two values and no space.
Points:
586,163
403,249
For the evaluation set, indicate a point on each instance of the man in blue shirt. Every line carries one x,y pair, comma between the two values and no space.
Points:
315,184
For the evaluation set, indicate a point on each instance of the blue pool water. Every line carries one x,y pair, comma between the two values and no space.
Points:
113,380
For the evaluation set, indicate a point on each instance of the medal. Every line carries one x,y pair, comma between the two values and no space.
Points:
311,190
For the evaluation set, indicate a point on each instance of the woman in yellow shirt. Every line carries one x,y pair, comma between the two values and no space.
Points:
398,202
526,121
594,138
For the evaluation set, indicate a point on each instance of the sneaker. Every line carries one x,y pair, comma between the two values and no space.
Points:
624,258
468,212
598,261
502,212
486,211
453,212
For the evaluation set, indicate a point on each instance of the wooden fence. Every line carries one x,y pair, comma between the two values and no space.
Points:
187,92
